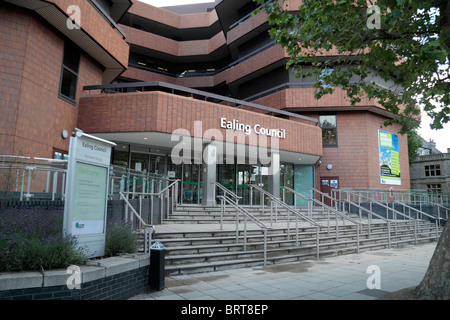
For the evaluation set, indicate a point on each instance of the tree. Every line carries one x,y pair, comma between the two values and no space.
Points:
436,282
358,45
414,143
405,44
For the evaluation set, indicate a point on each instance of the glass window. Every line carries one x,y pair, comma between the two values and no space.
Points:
434,187
120,155
68,84
433,170
329,130
69,71
140,162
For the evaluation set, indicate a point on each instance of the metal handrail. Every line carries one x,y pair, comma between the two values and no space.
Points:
410,195
415,220
173,186
297,215
443,207
359,225
148,228
335,211
369,214
227,191
284,205
416,226
389,208
239,208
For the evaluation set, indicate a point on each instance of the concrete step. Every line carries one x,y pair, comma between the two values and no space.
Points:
201,251
221,261
195,243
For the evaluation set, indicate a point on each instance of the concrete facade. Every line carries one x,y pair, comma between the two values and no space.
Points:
420,179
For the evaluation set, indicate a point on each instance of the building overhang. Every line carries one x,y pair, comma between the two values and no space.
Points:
95,36
139,117
165,143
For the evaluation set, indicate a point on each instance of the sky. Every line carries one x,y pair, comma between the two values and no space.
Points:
441,137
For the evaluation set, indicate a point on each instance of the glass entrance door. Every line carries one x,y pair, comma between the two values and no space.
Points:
244,178
287,179
191,184
226,176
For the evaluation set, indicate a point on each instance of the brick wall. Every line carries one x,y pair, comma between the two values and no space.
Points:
356,158
116,287
163,112
30,61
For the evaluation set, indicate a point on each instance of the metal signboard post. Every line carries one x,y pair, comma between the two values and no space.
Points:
86,192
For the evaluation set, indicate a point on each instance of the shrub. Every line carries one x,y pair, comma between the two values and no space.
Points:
120,238
31,239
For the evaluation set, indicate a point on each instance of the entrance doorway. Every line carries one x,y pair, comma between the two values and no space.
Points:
192,189
327,184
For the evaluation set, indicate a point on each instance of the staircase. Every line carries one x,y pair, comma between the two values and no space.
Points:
196,243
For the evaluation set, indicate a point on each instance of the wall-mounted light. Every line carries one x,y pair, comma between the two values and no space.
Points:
329,166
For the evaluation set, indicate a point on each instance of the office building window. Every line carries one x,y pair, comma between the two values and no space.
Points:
69,72
329,130
434,187
433,170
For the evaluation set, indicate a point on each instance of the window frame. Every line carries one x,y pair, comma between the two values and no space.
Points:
69,45
334,114
432,170
434,187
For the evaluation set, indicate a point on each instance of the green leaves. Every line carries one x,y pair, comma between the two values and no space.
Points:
402,56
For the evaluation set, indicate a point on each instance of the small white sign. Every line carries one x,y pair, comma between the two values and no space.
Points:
171,174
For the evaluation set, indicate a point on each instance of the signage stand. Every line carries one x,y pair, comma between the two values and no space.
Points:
87,192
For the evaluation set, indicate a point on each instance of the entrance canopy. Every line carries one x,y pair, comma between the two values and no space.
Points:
163,143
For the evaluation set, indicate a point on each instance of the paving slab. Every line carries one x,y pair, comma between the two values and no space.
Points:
333,278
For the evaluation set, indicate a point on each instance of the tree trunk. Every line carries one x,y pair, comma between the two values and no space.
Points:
436,282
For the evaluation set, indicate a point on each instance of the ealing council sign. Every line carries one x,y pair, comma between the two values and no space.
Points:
86,192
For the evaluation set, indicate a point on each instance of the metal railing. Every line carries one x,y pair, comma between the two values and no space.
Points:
167,201
413,197
370,214
224,199
128,180
25,178
226,191
277,201
337,214
419,215
147,228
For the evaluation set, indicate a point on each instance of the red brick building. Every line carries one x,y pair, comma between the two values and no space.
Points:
133,73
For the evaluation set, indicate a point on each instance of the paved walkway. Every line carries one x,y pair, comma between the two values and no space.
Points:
335,278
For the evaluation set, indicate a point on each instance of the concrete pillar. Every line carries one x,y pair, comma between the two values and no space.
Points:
274,175
209,174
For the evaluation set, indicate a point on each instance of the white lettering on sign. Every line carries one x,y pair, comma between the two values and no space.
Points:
246,128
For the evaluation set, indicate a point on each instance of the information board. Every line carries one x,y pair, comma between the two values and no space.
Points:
86,192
